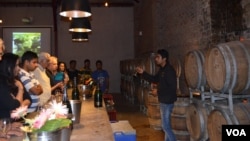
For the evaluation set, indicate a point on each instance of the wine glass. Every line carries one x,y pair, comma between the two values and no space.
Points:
5,126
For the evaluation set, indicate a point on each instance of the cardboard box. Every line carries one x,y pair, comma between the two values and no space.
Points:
123,131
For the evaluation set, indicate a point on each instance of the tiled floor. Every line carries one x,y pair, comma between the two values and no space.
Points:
138,120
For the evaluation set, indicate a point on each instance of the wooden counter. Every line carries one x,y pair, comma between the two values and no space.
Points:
94,124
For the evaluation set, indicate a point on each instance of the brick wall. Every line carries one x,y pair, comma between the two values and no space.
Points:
181,26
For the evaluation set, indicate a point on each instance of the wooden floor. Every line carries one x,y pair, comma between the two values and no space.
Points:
138,120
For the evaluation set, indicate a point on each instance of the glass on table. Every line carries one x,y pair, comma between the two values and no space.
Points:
58,96
5,126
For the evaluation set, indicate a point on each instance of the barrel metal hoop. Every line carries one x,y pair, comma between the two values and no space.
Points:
248,60
203,77
228,71
201,118
199,63
234,67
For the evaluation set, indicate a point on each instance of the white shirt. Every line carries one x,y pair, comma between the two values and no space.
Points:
41,76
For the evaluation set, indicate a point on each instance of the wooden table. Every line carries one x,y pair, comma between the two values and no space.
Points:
94,124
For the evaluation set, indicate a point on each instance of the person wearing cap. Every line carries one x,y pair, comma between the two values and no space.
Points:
166,90
41,76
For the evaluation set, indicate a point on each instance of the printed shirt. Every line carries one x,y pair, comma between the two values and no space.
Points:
100,76
29,81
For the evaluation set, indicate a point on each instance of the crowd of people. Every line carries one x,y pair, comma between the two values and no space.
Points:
35,78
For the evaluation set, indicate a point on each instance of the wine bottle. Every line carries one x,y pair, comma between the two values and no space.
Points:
75,91
98,97
65,100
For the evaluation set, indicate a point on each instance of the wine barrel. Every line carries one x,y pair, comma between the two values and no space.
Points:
194,70
147,96
123,85
127,67
153,109
130,67
155,123
196,120
176,63
178,119
228,67
131,91
140,95
122,67
127,87
148,63
223,116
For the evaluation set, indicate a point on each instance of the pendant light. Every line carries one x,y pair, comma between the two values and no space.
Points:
80,36
80,25
75,8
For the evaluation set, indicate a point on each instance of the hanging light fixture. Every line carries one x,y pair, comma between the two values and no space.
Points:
106,4
80,25
80,36
75,8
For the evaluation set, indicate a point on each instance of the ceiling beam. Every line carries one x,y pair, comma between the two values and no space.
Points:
49,4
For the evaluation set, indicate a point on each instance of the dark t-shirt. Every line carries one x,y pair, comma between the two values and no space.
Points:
7,102
72,74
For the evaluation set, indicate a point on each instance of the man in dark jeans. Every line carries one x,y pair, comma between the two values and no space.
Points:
167,85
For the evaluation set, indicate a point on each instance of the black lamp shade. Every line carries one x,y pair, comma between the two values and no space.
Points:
75,8
80,25
80,36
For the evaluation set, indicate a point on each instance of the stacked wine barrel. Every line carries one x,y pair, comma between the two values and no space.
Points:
178,119
153,111
132,86
224,72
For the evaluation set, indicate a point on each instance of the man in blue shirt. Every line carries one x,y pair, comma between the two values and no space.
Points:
101,77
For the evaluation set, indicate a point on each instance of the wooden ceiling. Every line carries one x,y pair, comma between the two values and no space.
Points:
56,3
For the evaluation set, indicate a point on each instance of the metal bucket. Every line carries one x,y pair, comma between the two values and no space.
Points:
66,133
46,136
85,90
76,110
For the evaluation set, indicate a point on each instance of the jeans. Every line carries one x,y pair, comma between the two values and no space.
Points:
166,110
